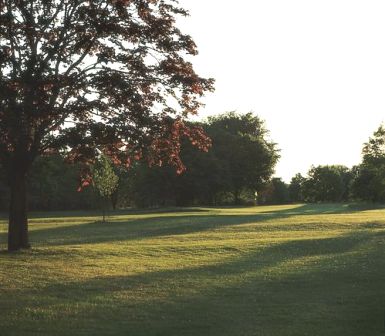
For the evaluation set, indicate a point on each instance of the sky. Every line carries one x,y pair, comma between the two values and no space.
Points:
313,70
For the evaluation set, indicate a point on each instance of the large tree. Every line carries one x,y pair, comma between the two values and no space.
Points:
84,75
247,154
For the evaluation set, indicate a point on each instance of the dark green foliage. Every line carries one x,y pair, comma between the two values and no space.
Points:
365,182
327,184
205,177
121,197
374,150
151,187
240,162
53,185
295,188
246,154
369,183
201,183
275,192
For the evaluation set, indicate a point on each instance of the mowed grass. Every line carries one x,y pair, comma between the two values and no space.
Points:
279,270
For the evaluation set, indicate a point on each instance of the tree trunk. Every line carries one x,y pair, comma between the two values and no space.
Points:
18,223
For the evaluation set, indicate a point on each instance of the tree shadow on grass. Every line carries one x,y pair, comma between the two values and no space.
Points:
300,287
158,226
327,208
95,213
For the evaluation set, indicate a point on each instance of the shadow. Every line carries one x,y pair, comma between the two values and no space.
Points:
158,225
95,213
328,208
137,229
300,287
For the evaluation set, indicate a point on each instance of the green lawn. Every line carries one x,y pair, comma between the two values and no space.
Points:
282,270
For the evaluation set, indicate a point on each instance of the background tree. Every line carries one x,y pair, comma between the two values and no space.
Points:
275,192
120,196
241,160
328,183
199,184
369,183
246,154
295,188
52,185
204,179
152,186
84,74
104,180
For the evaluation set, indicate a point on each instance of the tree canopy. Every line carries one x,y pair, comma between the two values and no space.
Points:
248,156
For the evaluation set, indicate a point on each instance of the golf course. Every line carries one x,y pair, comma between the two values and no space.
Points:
265,270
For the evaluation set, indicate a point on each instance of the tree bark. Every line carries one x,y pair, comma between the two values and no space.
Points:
18,222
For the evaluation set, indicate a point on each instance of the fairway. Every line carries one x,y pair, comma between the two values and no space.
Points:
271,270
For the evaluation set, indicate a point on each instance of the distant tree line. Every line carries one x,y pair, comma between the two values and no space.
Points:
336,183
237,169
329,183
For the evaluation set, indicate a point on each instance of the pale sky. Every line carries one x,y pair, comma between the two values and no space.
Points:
313,70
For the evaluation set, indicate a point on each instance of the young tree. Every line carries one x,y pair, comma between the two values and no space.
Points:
105,180
82,74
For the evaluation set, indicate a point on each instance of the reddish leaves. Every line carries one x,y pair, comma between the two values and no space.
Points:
166,147
110,75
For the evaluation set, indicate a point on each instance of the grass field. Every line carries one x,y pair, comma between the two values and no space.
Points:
282,270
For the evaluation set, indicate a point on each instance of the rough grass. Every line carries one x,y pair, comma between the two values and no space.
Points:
282,270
